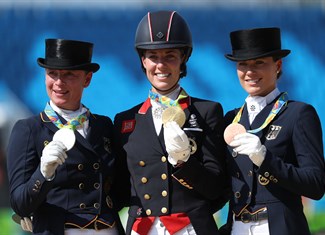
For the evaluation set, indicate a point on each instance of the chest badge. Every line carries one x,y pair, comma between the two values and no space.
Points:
128,126
273,132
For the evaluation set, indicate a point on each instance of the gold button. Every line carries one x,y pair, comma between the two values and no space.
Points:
164,210
146,196
81,186
249,194
80,167
250,173
38,183
266,174
96,205
144,180
237,194
164,193
148,212
271,177
82,205
96,185
275,180
163,159
142,163
164,176
96,166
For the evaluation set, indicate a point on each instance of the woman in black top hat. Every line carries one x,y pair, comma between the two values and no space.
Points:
60,162
279,158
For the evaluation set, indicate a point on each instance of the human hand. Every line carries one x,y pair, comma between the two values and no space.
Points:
53,155
250,145
177,143
26,224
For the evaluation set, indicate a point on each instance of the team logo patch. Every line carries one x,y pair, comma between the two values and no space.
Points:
273,132
128,126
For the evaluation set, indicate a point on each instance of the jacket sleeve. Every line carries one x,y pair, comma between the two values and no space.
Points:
28,188
305,175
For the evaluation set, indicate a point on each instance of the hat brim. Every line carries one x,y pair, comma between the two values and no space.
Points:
94,67
278,53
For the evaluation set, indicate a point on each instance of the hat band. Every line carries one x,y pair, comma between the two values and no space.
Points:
63,62
253,52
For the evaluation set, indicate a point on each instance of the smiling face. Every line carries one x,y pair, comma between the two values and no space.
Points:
65,87
258,77
163,67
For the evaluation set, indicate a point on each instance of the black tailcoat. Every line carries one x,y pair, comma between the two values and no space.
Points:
293,167
157,188
81,184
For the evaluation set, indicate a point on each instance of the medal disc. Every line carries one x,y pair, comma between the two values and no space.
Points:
66,136
232,130
174,113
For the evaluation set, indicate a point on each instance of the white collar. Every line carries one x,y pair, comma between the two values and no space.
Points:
68,114
257,103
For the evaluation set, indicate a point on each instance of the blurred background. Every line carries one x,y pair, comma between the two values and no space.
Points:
120,83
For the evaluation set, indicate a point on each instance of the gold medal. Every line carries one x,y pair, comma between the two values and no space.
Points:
263,181
174,113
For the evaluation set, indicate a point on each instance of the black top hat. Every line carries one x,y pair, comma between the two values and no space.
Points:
256,43
68,55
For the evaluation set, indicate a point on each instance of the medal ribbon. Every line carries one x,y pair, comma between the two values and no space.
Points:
282,101
72,124
164,100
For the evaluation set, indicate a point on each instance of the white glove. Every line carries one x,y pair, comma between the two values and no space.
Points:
53,155
177,143
26,224
250,145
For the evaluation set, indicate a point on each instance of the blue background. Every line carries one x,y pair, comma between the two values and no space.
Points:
120,83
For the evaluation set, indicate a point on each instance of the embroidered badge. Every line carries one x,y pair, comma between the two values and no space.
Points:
273,132
128,126
193,121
